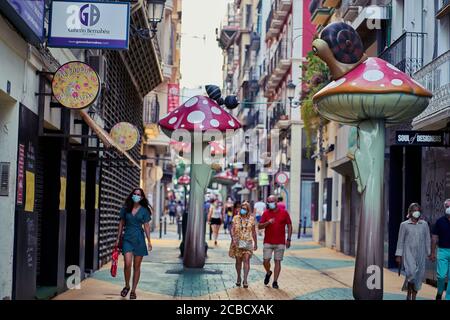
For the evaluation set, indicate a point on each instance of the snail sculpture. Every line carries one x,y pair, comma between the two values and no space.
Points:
368,93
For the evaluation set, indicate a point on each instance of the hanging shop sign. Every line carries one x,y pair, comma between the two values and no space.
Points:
420,138
281,178
263,179
27,16
88,24
75,85
173,96
125,135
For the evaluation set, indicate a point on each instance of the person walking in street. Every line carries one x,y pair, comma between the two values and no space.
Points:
228,214
413,248
274,221
243,242
215,218
259,208
441,240
280,204
135,214
172,211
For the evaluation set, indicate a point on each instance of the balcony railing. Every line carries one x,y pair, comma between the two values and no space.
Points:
435,76
277,15
278,65
406,53
279,114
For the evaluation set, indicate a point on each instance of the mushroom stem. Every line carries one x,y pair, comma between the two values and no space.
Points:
194,242
368,162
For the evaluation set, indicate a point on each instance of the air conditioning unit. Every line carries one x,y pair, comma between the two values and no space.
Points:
100,65
348,11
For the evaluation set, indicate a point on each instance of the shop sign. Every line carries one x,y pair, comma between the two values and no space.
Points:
125,135
173,96
420,138
89,24
27,16
20,174
75,85
263,179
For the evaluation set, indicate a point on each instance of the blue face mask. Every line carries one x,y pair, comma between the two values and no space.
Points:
272,205
243,211
136,198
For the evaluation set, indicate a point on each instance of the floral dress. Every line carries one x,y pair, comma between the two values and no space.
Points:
242,230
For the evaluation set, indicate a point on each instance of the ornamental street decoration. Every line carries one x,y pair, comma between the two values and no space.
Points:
367,93
75,85
125,135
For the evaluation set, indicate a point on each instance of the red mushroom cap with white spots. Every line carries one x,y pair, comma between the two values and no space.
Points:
374,76
199,113
184,180
374,89
217,148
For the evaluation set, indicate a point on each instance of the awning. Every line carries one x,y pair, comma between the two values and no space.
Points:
105,137
343,166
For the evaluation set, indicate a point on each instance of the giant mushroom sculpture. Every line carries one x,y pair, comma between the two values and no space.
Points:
198,115
368,93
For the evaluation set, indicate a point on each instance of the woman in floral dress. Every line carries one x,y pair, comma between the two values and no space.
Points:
243,243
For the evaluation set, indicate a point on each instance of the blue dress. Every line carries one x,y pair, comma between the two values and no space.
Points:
134,236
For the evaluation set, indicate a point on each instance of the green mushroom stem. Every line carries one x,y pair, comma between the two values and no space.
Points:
368,163
194,243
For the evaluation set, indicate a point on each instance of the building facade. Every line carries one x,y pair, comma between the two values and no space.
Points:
63,183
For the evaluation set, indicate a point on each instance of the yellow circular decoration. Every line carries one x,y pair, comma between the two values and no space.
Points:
75,85
125,135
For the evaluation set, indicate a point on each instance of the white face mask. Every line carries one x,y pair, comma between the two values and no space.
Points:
416,214
447,211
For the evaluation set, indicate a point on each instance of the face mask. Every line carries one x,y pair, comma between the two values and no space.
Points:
272,205
416,214
136,198
447,211
243,211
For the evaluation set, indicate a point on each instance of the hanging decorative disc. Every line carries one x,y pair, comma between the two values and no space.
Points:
75,85
125,134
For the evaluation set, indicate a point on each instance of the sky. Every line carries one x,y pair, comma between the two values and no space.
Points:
201,59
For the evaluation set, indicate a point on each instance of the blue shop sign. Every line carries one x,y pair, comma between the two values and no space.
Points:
27,16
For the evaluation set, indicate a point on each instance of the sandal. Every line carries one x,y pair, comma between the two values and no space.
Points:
238,283
245,285
132,295
124,292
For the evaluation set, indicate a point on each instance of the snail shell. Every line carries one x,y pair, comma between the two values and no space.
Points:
344,42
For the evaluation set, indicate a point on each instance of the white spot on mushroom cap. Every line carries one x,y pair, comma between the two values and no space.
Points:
373,75
191,102
196,117
392,67
336,83
231,122
216,110
397,82
214,123
173,120
205,101
182,125
176,111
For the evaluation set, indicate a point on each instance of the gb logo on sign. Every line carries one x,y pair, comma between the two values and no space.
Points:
89,15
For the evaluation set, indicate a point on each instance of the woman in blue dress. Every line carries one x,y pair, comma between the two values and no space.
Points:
135,214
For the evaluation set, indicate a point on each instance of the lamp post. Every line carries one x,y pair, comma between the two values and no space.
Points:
155,11
291,93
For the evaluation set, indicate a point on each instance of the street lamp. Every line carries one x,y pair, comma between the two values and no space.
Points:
291,93
155,11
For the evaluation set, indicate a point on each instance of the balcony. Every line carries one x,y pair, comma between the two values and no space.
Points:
321,15
279,119
435,76
349,11
276,18
278,66
331,3
406,53
444,9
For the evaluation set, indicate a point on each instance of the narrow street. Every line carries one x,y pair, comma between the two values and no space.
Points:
309,272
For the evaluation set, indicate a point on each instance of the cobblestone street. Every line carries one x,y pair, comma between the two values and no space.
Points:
309,272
